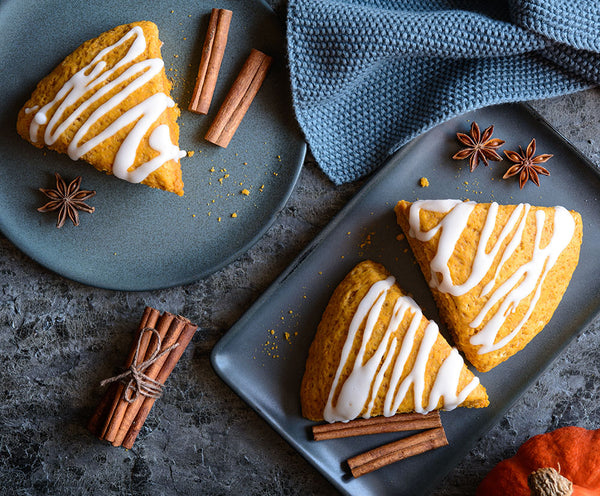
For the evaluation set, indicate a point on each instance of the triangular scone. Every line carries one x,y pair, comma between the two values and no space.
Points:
497,272
108,103
375,354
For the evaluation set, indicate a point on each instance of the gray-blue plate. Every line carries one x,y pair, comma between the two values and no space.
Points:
139,238
265,368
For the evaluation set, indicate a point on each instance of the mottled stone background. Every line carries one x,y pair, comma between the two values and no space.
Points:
58,339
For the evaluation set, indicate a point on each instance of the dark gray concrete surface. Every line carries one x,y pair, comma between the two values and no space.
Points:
58,339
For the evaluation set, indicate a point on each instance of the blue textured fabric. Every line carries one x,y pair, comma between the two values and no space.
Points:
370,75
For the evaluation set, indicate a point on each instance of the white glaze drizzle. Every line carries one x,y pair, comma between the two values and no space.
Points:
526,280
146,113
361,387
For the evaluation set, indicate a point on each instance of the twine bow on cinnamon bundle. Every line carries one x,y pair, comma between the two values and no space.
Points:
140,383
159,343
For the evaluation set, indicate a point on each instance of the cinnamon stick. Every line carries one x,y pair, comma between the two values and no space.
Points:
173,357
113,424
210,62
169,339
110,400
377,425
239,98
144,340
399,450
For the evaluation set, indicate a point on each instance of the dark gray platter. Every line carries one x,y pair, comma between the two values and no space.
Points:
264,365
140,238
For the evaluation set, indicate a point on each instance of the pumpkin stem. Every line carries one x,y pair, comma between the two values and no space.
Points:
548,482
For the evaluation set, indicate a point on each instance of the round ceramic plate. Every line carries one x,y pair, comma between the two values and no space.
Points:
139,238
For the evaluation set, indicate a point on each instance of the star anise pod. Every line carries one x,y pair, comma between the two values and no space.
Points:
526,165
479,147
67,200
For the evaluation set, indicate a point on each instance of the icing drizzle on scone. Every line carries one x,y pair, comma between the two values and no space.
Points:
361,388
526,280
94,81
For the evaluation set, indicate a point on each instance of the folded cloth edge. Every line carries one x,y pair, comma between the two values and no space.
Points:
343,159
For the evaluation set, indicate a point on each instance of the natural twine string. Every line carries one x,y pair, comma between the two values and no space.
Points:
136,382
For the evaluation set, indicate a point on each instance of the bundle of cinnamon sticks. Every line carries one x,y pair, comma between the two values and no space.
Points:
158,345
432,437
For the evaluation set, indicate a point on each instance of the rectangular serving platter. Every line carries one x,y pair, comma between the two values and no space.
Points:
262,357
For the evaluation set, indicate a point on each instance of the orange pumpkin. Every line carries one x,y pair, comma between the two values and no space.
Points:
571,453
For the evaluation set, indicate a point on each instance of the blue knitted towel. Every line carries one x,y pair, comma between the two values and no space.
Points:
370,75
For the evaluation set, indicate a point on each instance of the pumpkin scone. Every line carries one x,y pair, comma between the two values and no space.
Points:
109,104
375,353
497,272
